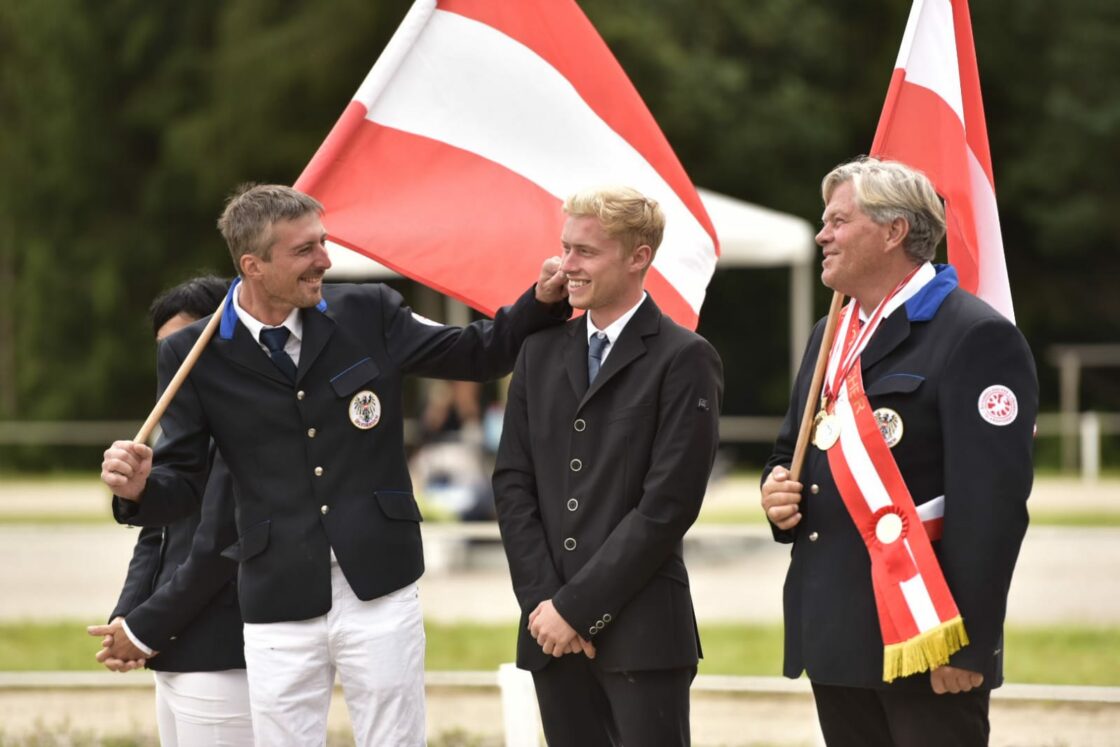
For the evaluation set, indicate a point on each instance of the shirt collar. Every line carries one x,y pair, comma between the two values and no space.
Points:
233,312
294,322
614,329
925,274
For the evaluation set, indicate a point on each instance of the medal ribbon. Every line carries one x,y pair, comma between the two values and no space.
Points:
918,618
849,344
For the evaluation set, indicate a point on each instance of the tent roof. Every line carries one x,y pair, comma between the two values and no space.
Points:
749,236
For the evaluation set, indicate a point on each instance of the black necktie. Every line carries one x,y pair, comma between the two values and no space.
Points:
274,340
595,347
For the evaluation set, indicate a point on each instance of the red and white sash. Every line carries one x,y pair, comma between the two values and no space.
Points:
919,621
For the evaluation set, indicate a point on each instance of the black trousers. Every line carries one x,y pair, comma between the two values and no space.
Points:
862,717
584,706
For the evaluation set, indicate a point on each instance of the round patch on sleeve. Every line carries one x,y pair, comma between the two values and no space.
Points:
998,405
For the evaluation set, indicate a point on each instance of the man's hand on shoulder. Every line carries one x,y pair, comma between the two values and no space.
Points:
125,468
552,286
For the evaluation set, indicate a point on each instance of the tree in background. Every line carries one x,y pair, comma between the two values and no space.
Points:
124,124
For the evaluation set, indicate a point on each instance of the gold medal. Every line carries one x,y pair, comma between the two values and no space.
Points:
826,430
890,425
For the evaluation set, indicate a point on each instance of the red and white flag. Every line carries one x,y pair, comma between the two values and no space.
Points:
933,120
452,161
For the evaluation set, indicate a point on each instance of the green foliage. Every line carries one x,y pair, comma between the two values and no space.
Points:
126,123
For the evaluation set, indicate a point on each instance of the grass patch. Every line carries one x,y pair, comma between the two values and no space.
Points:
1050,655
1075,519
57,519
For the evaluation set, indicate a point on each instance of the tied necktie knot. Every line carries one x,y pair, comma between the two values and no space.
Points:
595,348
275,339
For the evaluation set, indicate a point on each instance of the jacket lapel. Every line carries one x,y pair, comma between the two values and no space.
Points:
243,350
575,355
891,333
629,346
317,329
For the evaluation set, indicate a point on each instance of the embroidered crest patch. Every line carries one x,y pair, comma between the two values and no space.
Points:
365,410
998,405
890,425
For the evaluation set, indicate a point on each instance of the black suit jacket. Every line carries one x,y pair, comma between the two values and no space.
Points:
595,487
180,595
306,479
929,362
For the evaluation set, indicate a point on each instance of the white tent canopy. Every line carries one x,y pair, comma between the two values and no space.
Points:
749,236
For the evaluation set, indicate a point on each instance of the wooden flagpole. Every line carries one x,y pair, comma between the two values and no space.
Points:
185,367
812,403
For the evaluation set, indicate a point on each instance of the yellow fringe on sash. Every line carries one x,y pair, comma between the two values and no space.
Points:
924,651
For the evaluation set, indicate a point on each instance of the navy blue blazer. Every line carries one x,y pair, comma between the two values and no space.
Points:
930,362
319,464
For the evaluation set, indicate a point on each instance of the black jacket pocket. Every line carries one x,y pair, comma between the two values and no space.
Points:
251,543
350,380
897,383
397,504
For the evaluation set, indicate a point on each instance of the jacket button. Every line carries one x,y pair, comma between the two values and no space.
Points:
813,536
573,504
311,432
599,625
318,471
606,617
576,465
592,630
300,394
324,509
570,544
814,488
580,425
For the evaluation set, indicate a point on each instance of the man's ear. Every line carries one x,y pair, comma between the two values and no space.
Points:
897,231
641,258
250,265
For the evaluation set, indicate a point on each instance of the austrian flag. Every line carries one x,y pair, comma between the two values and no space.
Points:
452,161
933,120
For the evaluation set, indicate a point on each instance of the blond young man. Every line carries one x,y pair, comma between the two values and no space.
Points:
610,433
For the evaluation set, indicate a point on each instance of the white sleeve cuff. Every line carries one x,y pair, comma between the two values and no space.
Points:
136,641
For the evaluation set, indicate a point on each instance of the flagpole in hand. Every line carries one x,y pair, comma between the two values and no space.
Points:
811,403
149,425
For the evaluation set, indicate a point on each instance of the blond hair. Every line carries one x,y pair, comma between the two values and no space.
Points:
250,212
887,190
625,214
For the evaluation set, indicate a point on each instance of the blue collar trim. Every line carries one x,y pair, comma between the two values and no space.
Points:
229,314
924,304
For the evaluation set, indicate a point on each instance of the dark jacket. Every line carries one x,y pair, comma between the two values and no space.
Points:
929,362
595,487
306,478
180,595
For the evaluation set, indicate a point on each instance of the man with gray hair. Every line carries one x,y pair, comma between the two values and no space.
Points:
907,518
610,432
301,393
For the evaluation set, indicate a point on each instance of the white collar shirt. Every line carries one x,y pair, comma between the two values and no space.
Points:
294,323
614,329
